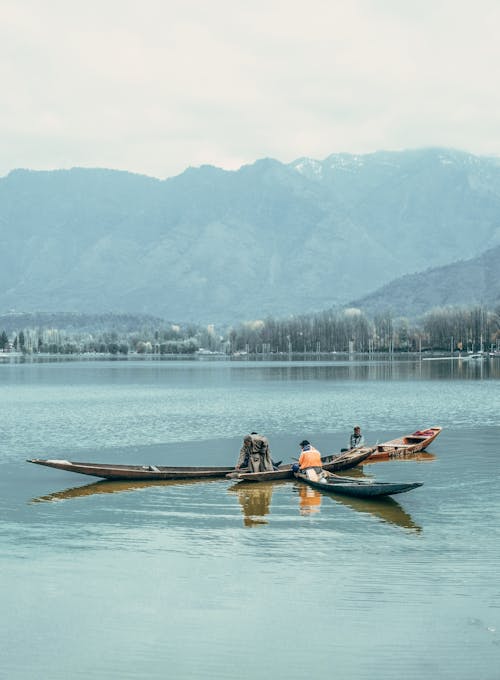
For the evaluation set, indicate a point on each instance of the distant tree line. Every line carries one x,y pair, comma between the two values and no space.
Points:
352,330
171,339
348,330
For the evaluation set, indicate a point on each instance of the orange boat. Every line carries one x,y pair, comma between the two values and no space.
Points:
404,446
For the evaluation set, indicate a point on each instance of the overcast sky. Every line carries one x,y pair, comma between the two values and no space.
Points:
154,86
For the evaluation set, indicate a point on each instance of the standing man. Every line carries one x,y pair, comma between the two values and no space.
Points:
255,454
356,438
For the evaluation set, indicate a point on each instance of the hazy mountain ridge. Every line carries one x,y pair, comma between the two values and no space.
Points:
471,282
269,238
75,322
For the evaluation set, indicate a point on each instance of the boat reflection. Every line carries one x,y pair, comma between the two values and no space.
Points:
386,509
105,486
255,501
420,457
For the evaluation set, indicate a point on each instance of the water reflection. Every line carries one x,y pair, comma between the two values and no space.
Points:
386,509
255,501
114,487
381,369
358,472
309,500
420,457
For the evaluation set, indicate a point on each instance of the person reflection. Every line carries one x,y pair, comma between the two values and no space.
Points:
309,500
255,501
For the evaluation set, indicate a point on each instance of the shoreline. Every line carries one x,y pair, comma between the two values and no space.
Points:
18,357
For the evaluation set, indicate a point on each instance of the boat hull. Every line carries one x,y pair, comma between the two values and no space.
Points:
359,488
134,472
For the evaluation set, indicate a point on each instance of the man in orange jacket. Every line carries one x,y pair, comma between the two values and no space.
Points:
310,457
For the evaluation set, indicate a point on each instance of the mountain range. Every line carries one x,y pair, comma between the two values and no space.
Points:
212,245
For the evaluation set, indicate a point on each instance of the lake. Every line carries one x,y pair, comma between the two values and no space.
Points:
219,580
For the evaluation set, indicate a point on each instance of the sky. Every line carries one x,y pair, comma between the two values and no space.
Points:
156,86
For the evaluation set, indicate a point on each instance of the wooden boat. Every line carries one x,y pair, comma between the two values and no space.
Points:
359,488
134,472
333,463
404,446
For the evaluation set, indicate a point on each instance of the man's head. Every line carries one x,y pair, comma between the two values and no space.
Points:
357,429
247,439
304,443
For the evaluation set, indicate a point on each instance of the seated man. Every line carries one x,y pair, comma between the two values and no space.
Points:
310,460
356,438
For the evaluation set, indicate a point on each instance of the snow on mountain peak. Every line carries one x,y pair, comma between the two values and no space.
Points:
308,167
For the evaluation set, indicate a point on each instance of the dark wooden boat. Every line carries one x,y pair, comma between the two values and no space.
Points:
134,472
359,488
404,446
333,463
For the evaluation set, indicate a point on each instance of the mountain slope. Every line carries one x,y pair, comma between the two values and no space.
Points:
471,282
216,245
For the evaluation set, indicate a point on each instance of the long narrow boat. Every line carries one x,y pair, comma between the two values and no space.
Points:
359,488
333,463
404,446
134,472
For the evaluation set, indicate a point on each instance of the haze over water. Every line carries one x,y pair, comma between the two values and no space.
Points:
218,580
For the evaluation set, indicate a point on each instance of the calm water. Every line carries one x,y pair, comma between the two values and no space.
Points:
217,580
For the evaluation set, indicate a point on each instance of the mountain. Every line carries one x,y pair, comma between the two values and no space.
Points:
213,245
471,282
80,323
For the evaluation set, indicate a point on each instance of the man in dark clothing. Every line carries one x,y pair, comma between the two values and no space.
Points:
255,454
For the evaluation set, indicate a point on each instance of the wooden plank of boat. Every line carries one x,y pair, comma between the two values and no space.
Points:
283,472
133,472
359,488
333,463
404,446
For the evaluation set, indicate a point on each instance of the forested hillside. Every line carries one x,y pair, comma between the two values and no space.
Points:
471,282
